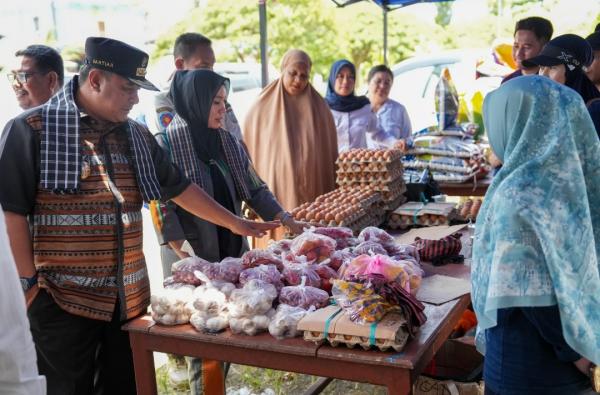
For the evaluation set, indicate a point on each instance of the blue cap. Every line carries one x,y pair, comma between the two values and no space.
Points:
569,49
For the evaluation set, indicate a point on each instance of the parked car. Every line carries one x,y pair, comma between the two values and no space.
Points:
245,84
415,80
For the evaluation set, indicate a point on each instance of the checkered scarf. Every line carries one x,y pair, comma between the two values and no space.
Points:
184,155
60,152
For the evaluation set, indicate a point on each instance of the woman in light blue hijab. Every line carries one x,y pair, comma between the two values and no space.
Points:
536,286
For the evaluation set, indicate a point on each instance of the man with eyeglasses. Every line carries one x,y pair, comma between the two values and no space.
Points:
39,76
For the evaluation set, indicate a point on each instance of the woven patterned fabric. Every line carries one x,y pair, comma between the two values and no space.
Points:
61,141
184,156
75,238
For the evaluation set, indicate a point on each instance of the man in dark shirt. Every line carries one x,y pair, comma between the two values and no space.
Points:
531,34
39,76
593,71
77,171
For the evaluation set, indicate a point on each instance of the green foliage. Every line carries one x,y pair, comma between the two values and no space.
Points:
328,33
444,13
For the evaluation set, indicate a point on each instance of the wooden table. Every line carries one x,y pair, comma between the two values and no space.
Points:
394,370
471,188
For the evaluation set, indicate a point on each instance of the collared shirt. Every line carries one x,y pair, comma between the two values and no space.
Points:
18,368
393,121
353,127
87,246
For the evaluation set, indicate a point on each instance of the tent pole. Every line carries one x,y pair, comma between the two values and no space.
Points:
385,35
262,17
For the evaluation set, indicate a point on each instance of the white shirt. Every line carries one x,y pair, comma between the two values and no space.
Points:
393,121
354,126
18,366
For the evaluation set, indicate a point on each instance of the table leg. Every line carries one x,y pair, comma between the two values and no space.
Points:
143,361
399,384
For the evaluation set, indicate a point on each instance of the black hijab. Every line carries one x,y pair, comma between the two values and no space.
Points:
193,92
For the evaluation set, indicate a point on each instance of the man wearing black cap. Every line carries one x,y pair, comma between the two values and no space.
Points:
77,171
593,71
531,34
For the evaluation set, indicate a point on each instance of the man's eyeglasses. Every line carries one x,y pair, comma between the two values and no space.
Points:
21,77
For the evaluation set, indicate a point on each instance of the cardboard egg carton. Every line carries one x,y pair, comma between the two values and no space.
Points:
369,167
420,214
364,155
369,177
390,332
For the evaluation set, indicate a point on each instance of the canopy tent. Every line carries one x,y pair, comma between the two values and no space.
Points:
386,6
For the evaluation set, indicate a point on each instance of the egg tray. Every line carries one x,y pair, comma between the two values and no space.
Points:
369,167
401,221
353,341
370,177
361,155
379,186
392,204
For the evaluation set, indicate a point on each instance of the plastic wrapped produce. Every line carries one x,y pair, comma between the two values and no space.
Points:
369,248
327,274
249,325
374,234
183,270
204,322
377,264
285,322
227,270
172,306
315,247
294,272
254,258
279,247
360,302
266,273
303,296
209,300
338,258
255,298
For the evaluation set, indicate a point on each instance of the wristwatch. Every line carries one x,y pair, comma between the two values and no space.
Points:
594,374
28,282
286,216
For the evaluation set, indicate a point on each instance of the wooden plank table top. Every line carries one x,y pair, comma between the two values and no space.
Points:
395,370
471,188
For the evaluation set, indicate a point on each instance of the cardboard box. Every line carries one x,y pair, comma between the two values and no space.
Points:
390,332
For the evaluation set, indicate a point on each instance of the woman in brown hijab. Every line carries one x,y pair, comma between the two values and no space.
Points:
291,137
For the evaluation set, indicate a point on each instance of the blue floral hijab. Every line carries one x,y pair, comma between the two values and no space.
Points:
538,232
343,103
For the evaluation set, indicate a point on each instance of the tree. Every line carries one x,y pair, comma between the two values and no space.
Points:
444,13
291,24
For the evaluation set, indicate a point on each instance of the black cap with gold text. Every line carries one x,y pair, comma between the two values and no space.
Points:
119,58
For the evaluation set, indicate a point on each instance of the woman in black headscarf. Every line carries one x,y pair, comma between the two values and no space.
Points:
212,158
564,60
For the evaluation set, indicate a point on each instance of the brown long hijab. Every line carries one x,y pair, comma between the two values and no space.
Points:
292,140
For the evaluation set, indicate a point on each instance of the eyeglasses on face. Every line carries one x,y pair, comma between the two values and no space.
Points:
21,76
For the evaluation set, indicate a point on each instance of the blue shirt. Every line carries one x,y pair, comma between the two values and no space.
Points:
526,354
392,121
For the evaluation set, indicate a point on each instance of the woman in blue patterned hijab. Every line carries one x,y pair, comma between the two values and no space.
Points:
536,286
